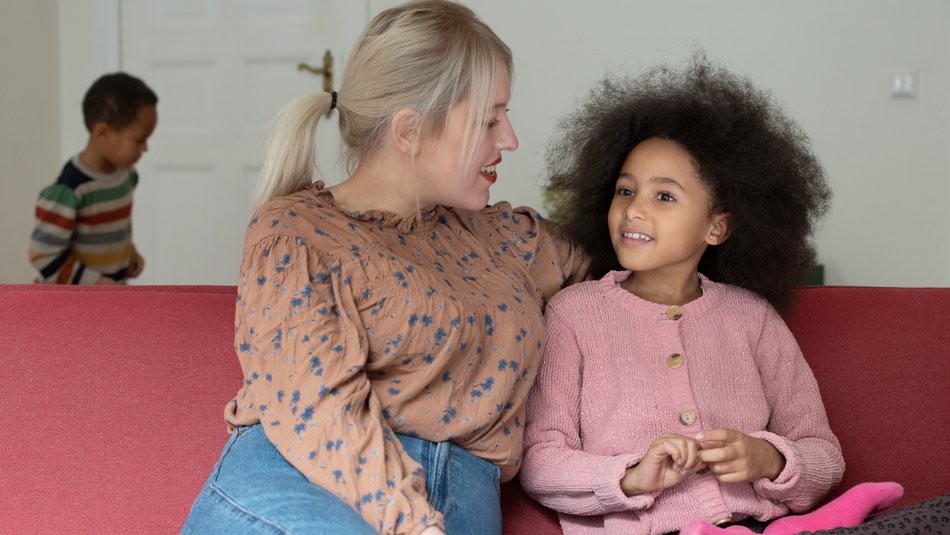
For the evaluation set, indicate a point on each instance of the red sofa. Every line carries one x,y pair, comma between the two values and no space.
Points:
112,399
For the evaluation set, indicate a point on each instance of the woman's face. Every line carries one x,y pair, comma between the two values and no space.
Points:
446,175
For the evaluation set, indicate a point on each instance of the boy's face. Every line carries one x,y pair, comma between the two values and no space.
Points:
122,148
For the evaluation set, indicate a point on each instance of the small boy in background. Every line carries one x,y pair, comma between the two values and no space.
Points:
83,231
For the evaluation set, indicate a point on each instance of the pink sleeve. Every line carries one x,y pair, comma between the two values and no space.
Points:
555,470
798,426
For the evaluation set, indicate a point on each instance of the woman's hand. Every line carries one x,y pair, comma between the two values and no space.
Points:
668,460
734,457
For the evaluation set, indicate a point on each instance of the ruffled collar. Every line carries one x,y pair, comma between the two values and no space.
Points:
421,220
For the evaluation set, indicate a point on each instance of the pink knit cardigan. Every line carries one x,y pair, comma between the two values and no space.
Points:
618,371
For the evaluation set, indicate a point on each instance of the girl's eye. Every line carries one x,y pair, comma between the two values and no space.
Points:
665,197
624,192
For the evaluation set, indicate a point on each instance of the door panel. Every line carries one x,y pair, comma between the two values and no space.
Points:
222,70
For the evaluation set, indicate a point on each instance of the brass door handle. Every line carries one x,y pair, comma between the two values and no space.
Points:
326,71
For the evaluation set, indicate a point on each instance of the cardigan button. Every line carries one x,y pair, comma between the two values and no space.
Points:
675,312
674,361
687,417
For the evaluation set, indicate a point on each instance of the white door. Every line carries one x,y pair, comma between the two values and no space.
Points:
222,69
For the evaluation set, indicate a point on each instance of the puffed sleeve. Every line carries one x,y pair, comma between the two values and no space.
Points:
550,257
556,471
798,426
303,349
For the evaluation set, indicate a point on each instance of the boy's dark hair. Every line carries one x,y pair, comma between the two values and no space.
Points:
115,99
755,160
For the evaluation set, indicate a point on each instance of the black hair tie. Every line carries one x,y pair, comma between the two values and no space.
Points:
333,100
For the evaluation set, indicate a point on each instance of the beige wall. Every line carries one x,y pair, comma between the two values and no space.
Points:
29,123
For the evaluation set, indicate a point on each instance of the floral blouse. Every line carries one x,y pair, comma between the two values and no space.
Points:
351,327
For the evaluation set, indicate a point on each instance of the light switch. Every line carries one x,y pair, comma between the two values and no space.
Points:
904,84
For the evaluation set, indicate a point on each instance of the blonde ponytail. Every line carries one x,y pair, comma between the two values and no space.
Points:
289,153
427,55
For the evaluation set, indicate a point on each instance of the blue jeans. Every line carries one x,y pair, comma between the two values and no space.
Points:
253,489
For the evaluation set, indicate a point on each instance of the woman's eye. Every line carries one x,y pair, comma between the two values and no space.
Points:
496,121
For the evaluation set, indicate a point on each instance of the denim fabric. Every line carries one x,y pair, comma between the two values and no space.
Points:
253,489
463,487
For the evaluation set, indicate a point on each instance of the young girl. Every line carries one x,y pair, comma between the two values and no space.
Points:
670,390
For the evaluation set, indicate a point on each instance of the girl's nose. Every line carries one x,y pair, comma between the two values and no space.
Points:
635,209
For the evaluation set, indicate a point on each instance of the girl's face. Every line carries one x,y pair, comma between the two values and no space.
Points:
445,174
661,217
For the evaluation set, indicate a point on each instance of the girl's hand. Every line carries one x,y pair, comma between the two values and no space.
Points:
735,457
432,530
668,460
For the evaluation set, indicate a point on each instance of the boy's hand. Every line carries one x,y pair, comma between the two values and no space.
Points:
734,457
136,264
668,460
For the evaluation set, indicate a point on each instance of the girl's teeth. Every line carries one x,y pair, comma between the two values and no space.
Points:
636,236
488,169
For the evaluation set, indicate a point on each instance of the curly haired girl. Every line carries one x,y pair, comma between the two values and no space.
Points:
670,389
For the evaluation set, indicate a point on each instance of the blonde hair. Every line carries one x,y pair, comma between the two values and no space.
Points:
425,55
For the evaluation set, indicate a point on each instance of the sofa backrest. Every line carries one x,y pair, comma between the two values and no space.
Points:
111,404
882,360
111,399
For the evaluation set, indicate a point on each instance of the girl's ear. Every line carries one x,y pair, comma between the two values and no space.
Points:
404,130
719,229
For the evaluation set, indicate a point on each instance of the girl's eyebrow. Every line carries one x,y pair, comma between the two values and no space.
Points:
666,181
662,180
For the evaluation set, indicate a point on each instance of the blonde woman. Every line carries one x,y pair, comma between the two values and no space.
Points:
389,327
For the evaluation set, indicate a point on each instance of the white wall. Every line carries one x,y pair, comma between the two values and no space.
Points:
89,48
829,62
29,124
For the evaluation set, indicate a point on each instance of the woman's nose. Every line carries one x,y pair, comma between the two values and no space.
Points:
507,140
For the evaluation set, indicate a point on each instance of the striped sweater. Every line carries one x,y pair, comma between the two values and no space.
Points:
84,226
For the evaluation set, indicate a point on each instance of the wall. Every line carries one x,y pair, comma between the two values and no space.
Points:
29,124
828,62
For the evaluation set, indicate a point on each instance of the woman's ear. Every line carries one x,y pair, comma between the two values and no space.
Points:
404,130
719,229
